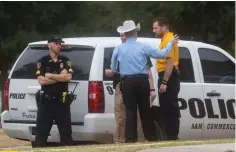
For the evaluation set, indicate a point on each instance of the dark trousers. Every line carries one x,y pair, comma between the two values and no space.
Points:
169,105
48,111
136,92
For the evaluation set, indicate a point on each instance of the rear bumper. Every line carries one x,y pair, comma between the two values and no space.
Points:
96,128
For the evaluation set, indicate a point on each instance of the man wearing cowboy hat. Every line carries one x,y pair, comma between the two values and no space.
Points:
132,57
119,109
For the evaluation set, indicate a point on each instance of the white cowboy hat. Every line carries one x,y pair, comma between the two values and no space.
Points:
128,26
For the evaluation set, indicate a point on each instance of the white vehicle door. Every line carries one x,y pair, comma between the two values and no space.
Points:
217,71
109,91
191,101
190,95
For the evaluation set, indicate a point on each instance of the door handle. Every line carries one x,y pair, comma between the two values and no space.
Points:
213,93
32,109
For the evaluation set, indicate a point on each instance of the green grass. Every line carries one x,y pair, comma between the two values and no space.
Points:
129,147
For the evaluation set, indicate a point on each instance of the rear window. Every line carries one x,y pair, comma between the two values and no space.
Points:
107,62
80,56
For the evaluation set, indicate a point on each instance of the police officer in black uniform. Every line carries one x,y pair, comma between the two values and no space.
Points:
53,73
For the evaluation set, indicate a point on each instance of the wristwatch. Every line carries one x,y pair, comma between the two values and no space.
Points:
152,90
164,82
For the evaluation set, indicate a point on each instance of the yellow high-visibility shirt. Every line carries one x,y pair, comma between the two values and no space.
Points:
174,53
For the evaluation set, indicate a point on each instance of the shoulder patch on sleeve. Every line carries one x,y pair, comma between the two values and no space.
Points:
38,65
68,63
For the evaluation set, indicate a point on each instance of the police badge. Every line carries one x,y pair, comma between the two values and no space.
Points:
38,65
62,66
69,63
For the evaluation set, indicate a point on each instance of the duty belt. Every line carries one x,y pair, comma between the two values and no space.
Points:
61,97
50,97
135,76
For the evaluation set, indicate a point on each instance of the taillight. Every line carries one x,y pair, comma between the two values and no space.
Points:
96,103
6,94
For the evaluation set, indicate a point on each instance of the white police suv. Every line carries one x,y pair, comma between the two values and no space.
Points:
206,98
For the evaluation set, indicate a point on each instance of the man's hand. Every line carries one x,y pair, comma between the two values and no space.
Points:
48,75
152,95
108,73
64,76
162,88
116,73
64,71
175,39
45,81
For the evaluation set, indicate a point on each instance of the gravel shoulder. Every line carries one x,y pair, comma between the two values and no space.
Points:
6,142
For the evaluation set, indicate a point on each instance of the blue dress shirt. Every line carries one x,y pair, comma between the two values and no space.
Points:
132,56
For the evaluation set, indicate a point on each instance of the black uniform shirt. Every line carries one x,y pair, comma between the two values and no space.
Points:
47,65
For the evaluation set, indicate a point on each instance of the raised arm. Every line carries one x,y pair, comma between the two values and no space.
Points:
157,52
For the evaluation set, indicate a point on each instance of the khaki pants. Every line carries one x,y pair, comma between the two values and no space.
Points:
119,110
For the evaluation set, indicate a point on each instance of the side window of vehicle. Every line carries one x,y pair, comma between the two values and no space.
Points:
107,61
185,65
216,67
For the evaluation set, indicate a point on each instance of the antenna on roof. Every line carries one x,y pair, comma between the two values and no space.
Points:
191,38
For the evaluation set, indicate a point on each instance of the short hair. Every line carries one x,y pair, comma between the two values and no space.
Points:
161,21
130,33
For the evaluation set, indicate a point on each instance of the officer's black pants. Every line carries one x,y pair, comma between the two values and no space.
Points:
48,111
169,105
136,92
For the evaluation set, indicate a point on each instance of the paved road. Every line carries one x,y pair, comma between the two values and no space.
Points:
230,147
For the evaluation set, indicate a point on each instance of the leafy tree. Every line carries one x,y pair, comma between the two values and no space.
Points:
24,22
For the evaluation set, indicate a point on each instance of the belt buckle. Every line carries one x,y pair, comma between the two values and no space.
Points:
47,97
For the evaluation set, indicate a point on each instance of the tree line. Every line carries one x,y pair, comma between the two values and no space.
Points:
24,22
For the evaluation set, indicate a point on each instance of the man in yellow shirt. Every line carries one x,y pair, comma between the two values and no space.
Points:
168,82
